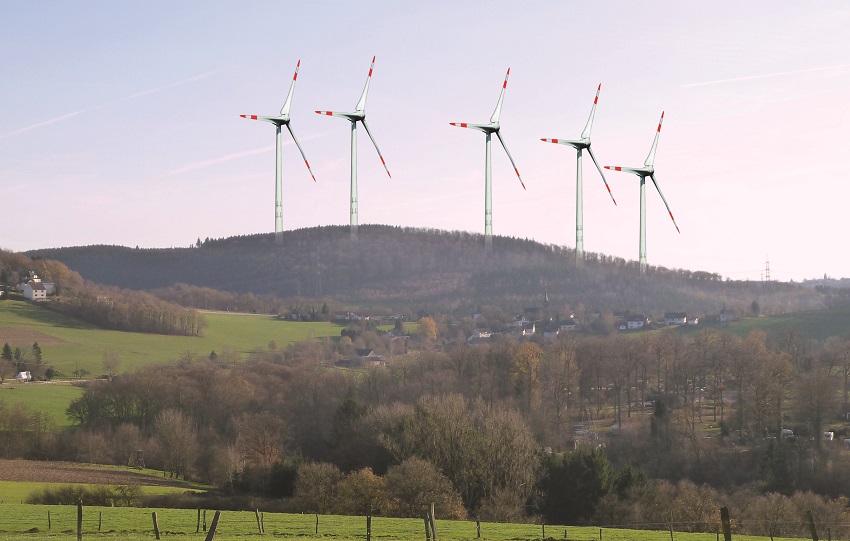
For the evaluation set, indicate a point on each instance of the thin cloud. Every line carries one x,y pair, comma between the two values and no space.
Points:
230,157
169,85
49,122
147,92
764,76
221,159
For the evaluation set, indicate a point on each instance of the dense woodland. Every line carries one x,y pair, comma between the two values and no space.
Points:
616,430
419,269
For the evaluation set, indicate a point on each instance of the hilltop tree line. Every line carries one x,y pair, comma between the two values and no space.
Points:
399,267
106,306
576,430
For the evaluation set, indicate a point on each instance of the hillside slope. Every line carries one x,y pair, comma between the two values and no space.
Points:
430,269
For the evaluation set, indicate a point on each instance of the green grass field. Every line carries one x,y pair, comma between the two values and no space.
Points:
817,325
28,522
18,491
70,345
52,398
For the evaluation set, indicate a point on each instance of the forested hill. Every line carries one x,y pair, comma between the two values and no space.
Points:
425,269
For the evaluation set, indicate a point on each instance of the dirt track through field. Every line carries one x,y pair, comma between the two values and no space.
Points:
69,472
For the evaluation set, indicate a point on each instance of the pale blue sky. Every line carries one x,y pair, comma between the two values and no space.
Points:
119,122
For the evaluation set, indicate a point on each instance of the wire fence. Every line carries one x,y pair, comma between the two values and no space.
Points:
61,522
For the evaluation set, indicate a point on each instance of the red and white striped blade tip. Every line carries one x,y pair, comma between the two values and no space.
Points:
249,117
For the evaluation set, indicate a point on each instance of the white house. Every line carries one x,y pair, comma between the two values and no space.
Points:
675,318
636,322
23,376
35,291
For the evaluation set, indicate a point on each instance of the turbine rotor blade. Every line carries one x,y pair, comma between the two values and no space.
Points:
285,109
498,111
292,133
651,158
376,147
623,169
596,163
361,105
586,133
251,117
333,113
665,202
499,135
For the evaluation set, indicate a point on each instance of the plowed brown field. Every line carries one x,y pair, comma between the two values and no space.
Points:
69,472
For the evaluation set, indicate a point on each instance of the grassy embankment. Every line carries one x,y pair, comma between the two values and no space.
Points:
69,345
817,325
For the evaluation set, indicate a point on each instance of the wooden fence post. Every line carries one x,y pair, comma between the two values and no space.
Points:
671,525
257,514
724,521
263,522
427,526
434,524
205,520
368,527
155,525
48,519
543,526
198,526
811,520
317,524
213,526
477,528
79,520
99,520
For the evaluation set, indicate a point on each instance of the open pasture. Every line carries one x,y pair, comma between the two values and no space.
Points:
815,325
70,345
48,398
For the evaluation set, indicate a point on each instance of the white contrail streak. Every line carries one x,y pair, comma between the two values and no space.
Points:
169,85
220,159
49,122
106,104
764,76
229,157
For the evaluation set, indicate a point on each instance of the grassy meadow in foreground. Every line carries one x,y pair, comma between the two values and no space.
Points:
30,522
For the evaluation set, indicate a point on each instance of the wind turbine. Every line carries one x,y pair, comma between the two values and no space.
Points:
489,130
359,115
648,170
281,120
580,145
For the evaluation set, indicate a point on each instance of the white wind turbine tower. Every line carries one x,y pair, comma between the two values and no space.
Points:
359,115
489,130
580,145
648,170
281,120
